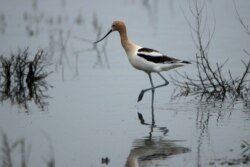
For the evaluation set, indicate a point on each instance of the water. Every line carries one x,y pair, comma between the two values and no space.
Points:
92,113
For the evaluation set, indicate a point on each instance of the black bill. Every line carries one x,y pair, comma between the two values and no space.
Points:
103,37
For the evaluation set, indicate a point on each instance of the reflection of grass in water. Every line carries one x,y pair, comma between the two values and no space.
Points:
245,148
243,159
101,53
36,20
23,80
10,158
59,26
3,23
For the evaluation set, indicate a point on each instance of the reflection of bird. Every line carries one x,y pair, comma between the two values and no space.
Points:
145,151
145,59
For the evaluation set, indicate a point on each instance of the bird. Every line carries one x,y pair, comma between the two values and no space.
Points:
144,58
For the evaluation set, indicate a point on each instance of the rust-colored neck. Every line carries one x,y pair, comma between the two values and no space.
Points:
127,45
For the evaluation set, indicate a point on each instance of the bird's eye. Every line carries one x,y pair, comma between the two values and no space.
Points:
113,26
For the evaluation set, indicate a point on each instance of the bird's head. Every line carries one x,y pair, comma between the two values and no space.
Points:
117,25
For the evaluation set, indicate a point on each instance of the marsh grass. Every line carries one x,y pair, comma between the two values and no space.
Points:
211,82
23,78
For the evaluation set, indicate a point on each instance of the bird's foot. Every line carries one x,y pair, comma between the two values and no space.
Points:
140,116
140,96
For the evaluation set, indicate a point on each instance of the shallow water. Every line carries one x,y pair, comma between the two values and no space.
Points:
92,114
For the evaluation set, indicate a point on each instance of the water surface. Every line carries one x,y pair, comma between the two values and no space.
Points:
92,113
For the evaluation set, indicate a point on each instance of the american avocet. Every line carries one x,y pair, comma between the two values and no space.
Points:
145,59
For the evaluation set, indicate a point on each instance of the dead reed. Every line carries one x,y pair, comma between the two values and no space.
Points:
211,83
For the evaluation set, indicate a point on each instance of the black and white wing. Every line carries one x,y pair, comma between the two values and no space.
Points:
155,56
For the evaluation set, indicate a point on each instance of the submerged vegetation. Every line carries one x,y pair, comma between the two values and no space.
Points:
101,53
18,152
211,82
242,159
22,78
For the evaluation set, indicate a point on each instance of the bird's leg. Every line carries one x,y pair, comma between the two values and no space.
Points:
153,87
152,100
166,82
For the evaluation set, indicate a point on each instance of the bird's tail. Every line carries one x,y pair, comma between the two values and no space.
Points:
185,62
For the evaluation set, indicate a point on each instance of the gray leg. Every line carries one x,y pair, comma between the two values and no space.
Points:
152,101
166,82
153,87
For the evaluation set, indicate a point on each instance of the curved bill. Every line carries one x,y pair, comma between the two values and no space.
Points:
103,37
